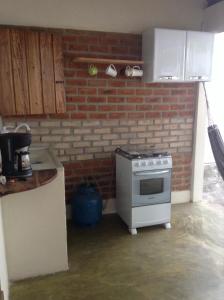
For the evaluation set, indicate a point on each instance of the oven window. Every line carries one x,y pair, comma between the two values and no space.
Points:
151,186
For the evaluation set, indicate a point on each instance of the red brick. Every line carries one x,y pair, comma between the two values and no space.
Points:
69,73
100,49
117,83
75,47
186,113
107,91
191,91
82,73
70,38
133,50
126,107
144,92
79,115
87,107
153,85
135,100
71,107
152,99
136,115
107,108
88,39
177,107
97,82
87,91
70,90
170,99
161,107
188,99
190,106
169,114
162,92
117,115
109,40
135,83
144,107
97,116
152,114
179,92
96,99
76,99
76,82
116,100
126,92
118,50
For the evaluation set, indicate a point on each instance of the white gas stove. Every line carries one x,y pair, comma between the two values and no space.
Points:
143,188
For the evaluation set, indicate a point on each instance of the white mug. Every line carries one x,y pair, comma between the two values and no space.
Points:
133,71
111,71
137,72
128,71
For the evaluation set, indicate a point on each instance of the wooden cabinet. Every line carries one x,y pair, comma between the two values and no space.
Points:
31,73
177,55
7,100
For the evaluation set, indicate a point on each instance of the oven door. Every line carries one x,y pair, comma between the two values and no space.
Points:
151,187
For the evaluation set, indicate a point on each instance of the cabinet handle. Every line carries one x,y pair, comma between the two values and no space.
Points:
59,81
169,77
199,77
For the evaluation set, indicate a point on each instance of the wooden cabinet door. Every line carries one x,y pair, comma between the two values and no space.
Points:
7,100
59,74
47,71
31,73
20,76
34,72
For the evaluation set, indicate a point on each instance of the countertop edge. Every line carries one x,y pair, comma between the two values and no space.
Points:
38,179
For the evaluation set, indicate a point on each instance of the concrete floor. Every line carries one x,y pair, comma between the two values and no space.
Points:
213,186
184,263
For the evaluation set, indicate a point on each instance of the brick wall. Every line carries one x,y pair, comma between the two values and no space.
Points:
103,113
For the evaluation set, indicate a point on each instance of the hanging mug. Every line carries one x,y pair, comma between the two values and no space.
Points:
92,70
137,72
111,71
128,71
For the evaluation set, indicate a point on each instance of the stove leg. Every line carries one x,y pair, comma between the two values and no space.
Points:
167,225
133,231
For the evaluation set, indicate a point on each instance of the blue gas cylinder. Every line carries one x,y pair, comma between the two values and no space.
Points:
86,205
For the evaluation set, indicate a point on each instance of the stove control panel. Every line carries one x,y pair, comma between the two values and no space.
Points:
152,164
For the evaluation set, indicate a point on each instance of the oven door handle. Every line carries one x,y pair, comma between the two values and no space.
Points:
151,173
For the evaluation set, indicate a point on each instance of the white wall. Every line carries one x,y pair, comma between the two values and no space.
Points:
214,18
214,21
129,16
4,284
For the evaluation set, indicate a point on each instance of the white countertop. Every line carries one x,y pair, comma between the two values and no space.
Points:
43,159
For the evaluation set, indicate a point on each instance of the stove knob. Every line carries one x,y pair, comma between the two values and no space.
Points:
158,162
143,163
165,162
136,164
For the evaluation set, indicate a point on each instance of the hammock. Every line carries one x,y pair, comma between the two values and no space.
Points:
216,140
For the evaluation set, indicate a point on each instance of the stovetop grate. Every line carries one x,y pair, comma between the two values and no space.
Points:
137,155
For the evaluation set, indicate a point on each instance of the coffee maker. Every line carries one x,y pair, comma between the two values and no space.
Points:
14,148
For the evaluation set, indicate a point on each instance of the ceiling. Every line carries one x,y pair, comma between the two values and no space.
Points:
129,16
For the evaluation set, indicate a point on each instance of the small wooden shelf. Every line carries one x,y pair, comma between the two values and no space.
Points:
107,61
